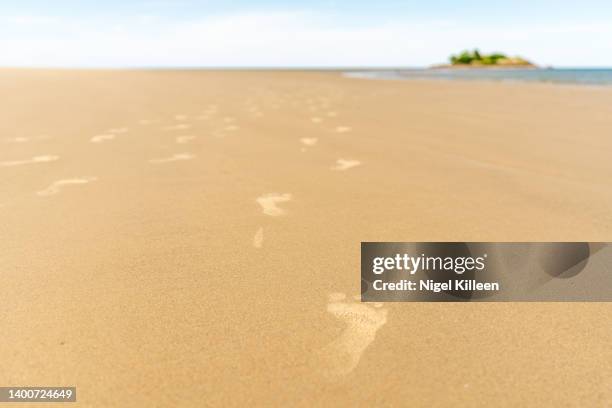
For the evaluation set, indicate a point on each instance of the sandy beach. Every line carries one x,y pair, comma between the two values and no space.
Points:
192,238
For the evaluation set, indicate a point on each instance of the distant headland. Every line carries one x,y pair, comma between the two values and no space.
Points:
474,59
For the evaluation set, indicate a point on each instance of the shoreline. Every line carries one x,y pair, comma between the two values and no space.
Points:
367,76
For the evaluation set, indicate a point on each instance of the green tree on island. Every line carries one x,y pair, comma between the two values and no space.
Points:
475,58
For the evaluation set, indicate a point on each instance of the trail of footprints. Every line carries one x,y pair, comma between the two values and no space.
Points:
33,160
110,135
361,321
315,107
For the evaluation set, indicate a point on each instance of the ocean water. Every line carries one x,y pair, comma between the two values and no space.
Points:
581,76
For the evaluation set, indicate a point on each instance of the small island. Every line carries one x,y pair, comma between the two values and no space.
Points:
474,59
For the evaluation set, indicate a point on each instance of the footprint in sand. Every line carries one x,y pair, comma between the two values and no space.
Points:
56,186
316,120
180,126
269,203
231,128
362,320
102,138
342,164
22,139
332,114
184,139
180,117
258,238
17,140
36,159
343,129
309,141
176,157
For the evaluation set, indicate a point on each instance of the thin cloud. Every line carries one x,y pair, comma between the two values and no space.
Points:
287,38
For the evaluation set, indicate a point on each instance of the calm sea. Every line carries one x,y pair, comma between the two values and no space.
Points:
582,76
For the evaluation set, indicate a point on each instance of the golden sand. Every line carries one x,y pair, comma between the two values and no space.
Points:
188,238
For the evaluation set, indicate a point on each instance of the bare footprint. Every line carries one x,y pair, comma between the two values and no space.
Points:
102,138
180,126
340,357
258,238
269,203
309,141
343,164
184,139
56,186
17,140
36,159
22,139
176,157
343,129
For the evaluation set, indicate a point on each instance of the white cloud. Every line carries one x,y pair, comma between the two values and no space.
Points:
286,39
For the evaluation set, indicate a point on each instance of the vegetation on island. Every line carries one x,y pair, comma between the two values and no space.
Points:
476,59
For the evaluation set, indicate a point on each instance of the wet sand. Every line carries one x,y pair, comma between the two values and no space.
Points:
185,238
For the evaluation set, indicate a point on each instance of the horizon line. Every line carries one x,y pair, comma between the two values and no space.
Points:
270,67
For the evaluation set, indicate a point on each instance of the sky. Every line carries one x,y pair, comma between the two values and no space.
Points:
320,33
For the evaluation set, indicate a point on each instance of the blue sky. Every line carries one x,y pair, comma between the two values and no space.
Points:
113,33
